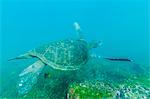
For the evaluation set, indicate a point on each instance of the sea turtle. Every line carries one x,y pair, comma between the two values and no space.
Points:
69,54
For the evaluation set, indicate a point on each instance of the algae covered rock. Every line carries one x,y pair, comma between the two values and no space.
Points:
88,89
133,88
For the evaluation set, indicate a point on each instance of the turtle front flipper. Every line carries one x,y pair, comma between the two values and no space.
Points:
29,76
78,30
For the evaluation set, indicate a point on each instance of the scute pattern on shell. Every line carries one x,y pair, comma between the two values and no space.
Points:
64,53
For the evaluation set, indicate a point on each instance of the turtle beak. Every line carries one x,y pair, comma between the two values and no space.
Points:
96,44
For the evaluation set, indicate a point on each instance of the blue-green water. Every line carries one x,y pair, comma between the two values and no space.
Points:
122,26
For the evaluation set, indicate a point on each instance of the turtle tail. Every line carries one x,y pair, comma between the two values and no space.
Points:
29,77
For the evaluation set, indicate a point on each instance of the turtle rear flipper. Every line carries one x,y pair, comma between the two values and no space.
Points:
23,56
29,76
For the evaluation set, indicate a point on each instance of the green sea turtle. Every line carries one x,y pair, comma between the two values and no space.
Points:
68,54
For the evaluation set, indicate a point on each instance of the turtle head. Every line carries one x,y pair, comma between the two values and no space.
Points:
94,44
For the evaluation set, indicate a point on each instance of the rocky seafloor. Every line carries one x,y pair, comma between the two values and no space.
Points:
98,79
